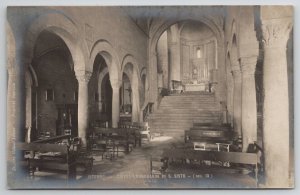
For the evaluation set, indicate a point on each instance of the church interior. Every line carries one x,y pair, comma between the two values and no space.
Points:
150,97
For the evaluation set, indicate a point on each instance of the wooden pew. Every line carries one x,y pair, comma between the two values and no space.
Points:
170,155
49,158
142,133
210,136
207,135
135,129
110,140
54,139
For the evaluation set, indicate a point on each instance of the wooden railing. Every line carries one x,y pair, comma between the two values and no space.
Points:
147,110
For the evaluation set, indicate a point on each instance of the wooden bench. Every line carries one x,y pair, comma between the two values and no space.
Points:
134,128
141,130
109,141
210,136
188,155
47,157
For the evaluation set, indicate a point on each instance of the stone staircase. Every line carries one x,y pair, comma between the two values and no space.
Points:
178,112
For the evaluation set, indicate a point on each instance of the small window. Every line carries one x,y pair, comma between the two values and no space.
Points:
49,95
199,53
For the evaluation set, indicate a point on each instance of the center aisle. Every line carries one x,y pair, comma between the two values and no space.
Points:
133,171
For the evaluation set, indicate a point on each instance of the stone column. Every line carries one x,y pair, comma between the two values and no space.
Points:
152,81
174,54
135,97
249,110
18,104
83,78
162,58
28,89
276,100
230,89
237,99
174,48
115,84
11,121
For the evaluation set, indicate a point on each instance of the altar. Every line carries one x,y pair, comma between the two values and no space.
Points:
195,87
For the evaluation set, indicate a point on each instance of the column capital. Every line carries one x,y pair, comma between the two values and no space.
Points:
83,76
115,83
236,72
276,32
172,44
248,65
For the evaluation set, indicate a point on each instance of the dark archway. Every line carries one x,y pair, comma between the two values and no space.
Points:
187,53
100,94
106,99
57,92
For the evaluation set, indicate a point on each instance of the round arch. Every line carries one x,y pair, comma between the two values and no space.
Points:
105,49
61,26
233,44
133,75
214,27
143,72
234,51
33,76
130,59
100,79
217,30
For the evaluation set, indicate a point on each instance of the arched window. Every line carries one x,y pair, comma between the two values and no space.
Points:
198,52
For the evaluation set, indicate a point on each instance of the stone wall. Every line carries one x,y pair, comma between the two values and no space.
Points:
53,72
87,25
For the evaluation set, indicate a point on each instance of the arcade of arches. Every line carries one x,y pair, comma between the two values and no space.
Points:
88,67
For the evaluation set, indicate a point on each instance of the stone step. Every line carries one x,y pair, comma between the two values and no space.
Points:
188,104
191,106
211,125
182,117
210,129
187,126
189,97
188,100
187,110
191,117
194,107
191,94
179,112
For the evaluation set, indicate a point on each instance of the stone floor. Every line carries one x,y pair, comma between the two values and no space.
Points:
133,171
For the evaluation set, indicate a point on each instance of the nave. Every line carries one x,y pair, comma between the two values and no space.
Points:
123,170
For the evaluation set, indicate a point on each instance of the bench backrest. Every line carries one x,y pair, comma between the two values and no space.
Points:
119,131
53,139
233,157
220,128
40,147
197,135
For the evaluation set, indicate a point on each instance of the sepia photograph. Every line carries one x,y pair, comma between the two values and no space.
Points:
150,97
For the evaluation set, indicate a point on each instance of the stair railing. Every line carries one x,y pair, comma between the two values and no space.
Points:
147,110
